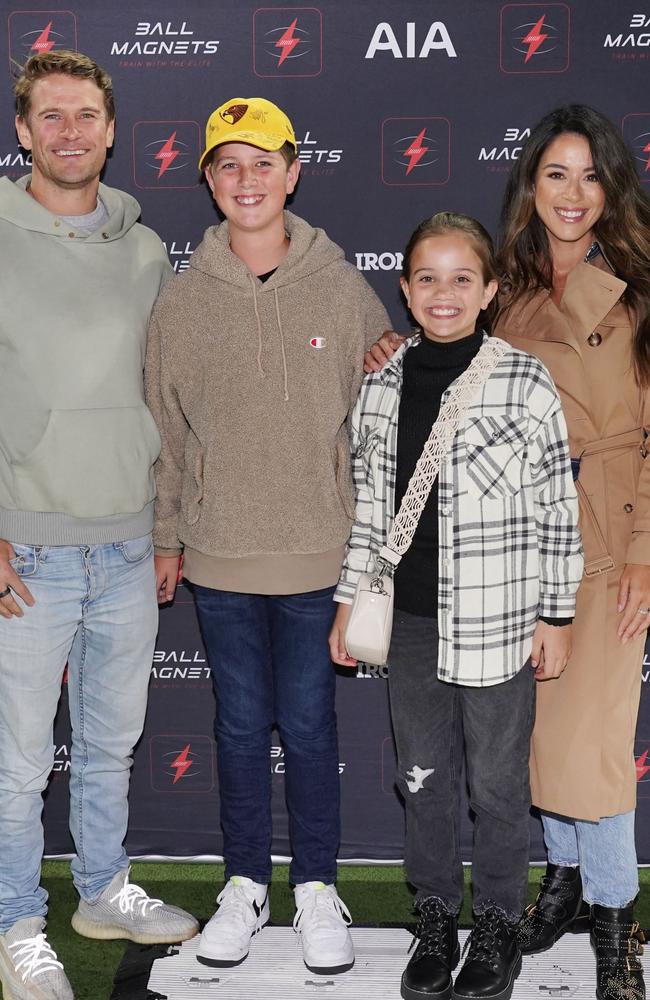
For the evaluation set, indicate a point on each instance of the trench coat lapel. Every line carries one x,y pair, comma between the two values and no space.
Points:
590,293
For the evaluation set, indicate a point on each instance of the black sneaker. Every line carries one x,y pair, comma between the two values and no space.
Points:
558,908
428,973
618,943
493,961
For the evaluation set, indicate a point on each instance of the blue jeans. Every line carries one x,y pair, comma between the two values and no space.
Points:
270,664
96,609
605,852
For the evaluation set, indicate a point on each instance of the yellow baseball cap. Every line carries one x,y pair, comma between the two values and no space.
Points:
248,119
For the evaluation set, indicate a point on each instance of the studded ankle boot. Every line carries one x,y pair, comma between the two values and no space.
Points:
557,908
618,943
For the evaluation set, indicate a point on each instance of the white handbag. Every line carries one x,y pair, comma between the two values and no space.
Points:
368,631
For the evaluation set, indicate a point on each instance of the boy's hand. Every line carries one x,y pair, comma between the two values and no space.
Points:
166,577
382,351
338,652
551,650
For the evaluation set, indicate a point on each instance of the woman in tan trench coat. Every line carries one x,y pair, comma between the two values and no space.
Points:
576,253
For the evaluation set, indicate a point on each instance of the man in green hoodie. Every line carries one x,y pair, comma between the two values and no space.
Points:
78,279
254,362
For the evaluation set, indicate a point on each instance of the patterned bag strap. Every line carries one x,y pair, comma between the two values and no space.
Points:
436,447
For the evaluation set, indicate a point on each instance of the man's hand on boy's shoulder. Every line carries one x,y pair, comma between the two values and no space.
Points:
382,351
551,650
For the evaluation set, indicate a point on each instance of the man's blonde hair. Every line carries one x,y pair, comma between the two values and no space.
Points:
68,63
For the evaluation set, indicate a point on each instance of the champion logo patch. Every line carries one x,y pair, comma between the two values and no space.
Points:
317,342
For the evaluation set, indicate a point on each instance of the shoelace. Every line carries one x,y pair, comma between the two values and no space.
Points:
327,908
430,929
131,896
483,941
34,955
237,902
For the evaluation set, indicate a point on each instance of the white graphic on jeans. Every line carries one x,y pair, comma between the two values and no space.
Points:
418,775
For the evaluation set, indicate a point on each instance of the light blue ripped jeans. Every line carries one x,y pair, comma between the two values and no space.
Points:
96,609
604,851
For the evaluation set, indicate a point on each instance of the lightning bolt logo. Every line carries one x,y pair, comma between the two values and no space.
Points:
44,43
167,154
641,767
646,149
287,42
534,38
181,764
416,151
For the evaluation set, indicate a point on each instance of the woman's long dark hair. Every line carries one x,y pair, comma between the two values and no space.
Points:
623,230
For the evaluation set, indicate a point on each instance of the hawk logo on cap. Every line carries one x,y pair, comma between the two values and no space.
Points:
234,113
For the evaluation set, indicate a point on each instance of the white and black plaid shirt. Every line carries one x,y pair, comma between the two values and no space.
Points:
509,545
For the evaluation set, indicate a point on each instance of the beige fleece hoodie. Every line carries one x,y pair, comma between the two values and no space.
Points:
251,385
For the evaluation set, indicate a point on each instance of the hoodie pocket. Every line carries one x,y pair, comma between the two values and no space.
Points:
90,463
343,473
495,448
192,488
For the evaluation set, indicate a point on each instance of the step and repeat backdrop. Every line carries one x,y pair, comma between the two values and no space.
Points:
402,108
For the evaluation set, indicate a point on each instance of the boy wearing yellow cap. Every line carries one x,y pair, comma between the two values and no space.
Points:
255,360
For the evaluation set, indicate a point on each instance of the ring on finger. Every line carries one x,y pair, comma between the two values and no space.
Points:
5,592
640,611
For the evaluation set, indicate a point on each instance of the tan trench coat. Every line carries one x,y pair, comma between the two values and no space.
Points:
582,762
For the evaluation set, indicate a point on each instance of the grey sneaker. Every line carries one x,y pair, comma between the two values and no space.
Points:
125,911
29,968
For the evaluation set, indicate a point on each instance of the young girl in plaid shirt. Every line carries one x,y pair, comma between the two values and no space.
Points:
484,600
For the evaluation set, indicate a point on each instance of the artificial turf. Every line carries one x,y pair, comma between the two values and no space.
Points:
376,895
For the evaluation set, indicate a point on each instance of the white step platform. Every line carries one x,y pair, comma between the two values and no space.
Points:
274,970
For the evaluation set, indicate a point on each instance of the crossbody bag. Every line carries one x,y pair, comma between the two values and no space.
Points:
368,631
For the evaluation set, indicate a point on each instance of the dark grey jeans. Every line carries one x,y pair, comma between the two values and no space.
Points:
434,724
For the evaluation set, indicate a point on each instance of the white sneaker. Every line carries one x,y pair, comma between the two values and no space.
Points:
322,920
243,911
29,968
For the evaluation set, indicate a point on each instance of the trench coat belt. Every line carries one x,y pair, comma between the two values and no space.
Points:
602,561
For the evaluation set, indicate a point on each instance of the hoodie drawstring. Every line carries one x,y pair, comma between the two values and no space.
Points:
259,337
259,329
284,356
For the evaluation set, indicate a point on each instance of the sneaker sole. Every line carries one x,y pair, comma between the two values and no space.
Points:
505,994
109,932
329,970
221,963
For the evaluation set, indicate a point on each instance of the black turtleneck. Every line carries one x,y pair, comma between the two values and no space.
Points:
429,369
